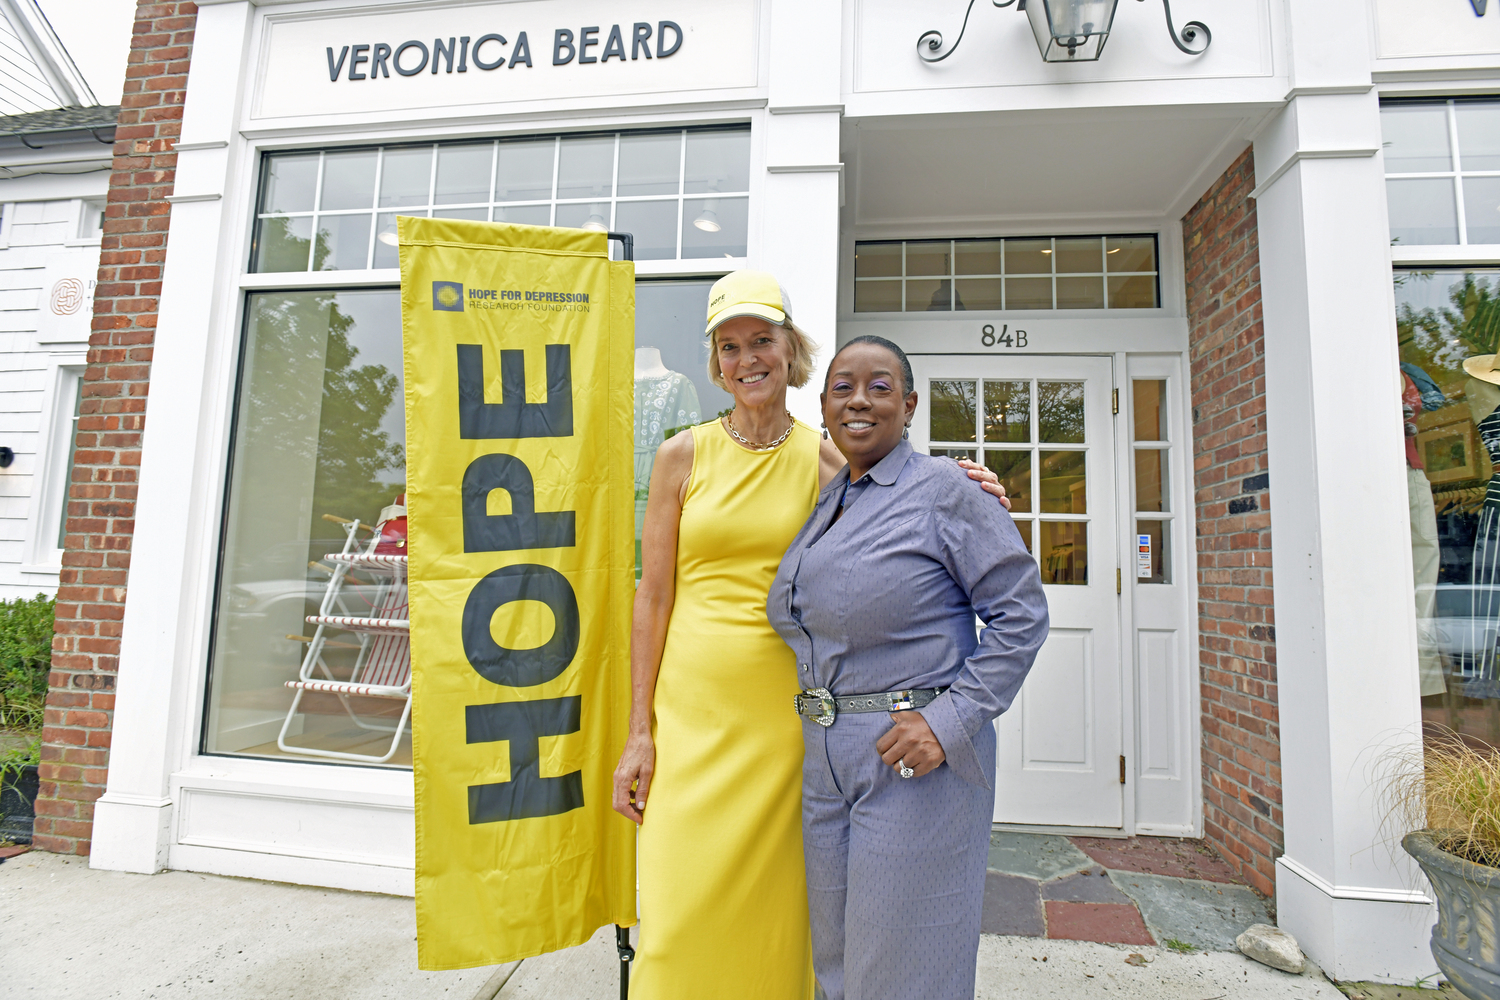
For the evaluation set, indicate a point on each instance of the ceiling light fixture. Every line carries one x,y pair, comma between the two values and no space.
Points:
707,221
1069,30
389,237
595,223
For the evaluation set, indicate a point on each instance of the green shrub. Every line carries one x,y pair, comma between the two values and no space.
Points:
25,659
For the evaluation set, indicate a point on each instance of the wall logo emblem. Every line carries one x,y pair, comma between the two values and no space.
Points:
67,297
448,296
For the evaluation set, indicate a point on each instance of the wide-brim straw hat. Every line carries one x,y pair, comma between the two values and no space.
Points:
1484,366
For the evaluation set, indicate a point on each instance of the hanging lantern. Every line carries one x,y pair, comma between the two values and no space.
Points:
1069,30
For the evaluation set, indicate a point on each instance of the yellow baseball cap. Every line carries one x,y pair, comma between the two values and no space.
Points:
749,293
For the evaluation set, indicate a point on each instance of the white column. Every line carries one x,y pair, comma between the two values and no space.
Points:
155,702
1345,628
800,201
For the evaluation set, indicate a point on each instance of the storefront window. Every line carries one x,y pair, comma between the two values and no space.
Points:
684,194
1448,327
1048,272
1442,167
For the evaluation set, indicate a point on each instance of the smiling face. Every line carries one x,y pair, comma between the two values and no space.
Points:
754,357
866,406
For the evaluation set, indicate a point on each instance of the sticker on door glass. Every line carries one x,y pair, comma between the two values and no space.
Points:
1143,557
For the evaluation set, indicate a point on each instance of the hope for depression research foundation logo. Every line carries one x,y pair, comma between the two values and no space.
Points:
448,296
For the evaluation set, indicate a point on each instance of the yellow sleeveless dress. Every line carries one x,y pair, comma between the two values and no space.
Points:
723,892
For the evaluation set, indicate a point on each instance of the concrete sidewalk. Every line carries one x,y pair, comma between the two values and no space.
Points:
70,933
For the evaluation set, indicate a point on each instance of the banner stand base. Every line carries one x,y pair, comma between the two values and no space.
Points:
627,955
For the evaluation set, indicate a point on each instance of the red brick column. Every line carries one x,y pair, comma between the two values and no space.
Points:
1236,619
101,498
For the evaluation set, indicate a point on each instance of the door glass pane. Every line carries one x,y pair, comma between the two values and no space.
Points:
319,431
977,257
1080,293
1416,138
1149,399
1024,527
1130,253
1153,563
66,479
1150,479
524,171
586,167
1028,293
1014,470
1007,411
715,227
1060,412
1028,256
1064,556
649,164
290,183
927,259
405,177
877,296
1063,485
654,224
877,260
1478,136
1482,209
977,293
1422,211
463,174
1079,256
343,243
282,244
348,180
952,409
717,161
954,453
929,295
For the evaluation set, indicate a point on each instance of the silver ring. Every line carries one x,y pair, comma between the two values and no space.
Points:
906,772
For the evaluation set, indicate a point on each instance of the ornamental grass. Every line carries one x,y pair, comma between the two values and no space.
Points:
1451,787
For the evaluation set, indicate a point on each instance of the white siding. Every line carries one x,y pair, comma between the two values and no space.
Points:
35,239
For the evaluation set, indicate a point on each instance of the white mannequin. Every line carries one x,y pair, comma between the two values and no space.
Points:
648,363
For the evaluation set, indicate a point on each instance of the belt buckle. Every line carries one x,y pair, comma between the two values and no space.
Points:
902,701
824,701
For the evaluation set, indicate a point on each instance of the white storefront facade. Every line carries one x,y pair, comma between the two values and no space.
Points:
1031,211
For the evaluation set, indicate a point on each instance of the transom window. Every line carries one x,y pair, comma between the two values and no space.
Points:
1034,272
684,194
1442,168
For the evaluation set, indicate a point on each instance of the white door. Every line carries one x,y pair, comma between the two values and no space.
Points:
1044,424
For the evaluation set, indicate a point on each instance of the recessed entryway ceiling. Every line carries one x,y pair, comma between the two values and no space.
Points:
1057,165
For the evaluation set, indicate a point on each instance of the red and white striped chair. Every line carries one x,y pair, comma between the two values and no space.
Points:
382,667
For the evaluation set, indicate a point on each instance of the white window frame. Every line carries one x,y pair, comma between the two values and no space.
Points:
82,207
51,474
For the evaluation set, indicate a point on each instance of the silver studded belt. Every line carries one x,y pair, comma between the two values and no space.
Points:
823,707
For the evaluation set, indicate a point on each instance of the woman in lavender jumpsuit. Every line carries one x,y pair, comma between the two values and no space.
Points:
878,595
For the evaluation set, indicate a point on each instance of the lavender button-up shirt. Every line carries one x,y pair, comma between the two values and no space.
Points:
885,598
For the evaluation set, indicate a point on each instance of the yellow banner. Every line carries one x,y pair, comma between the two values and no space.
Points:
519,397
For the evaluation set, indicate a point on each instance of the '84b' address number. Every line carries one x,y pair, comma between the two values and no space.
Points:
1004,337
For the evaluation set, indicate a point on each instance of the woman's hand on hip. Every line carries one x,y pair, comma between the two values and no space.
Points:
987,480
633,776
911,740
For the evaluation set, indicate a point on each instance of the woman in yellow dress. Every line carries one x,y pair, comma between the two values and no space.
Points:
723,892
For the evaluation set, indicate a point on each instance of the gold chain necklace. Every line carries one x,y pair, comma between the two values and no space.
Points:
753,446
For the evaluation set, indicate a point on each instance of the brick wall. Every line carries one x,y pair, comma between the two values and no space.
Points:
1236,620
101,498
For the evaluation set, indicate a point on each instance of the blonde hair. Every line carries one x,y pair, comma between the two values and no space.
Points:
799,371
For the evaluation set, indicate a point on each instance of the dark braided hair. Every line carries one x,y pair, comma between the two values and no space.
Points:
907,379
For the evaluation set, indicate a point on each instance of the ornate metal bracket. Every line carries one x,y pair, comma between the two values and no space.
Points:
933,40
1189,33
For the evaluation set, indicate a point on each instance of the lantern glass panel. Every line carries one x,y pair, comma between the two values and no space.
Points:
1071,30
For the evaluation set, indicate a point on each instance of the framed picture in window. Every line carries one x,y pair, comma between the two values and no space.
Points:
1449,446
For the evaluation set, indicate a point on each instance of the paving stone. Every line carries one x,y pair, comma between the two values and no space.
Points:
1035,855
1207,915
1157,856
1092,886
1012,905
1106,923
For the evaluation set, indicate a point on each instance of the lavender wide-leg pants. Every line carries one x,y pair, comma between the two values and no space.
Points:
895,867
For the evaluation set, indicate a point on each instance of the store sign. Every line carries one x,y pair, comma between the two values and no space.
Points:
452,56
65,309
519,392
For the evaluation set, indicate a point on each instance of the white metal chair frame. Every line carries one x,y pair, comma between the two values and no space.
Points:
382,668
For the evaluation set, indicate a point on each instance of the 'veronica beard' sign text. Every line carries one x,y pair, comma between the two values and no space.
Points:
455,54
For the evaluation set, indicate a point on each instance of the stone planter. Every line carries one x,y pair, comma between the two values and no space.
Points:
17,802
1464,941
